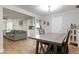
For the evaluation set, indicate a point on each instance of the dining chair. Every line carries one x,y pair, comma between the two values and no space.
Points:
63,49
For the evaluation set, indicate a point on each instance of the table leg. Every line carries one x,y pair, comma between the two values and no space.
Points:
37,47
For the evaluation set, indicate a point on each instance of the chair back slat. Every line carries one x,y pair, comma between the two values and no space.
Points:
66,39
65,49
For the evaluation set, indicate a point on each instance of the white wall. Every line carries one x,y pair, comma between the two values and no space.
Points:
67,18
16,25
25,25
1,29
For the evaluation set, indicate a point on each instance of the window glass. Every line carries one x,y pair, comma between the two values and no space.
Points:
9,26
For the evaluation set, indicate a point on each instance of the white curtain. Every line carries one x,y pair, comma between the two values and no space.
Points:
57,24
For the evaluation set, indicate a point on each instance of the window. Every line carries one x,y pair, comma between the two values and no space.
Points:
37,25
9,26
57,24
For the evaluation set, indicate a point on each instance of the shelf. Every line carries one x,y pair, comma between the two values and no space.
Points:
74,43
73,36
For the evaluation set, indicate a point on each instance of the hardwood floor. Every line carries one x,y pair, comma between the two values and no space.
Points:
19,47
73,49
27,47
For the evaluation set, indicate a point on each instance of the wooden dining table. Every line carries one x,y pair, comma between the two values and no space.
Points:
53,38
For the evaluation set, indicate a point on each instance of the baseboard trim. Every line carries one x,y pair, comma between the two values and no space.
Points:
1,50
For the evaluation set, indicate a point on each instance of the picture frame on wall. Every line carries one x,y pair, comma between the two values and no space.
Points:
46,23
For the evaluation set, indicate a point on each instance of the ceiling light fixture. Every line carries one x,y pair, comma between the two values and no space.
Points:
49,8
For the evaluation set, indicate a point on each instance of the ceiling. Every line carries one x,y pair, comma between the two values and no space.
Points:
35,9
13,14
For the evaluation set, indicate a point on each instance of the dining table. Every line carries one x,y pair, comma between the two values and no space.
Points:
52,38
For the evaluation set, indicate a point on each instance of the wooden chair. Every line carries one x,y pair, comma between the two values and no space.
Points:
63,49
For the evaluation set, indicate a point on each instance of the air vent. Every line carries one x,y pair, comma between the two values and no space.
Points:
77,6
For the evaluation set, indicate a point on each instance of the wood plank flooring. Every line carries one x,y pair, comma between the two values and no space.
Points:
27,47
19,47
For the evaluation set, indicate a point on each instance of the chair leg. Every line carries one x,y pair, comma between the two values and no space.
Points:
65,50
